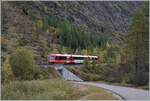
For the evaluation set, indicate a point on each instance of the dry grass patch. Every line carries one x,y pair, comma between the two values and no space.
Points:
55,89
93,93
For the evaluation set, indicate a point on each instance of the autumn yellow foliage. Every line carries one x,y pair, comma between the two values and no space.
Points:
7,74
39,23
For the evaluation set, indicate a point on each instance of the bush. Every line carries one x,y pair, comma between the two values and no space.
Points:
86,66
139,78
41,74
86,76
23,64
7,74
122,73
45,73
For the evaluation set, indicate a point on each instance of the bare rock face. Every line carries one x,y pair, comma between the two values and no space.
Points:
95,16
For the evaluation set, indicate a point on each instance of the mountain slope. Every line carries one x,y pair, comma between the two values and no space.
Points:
22,26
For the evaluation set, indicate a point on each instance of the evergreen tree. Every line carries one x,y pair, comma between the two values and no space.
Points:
138,38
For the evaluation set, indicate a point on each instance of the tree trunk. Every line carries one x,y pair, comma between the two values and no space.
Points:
136,53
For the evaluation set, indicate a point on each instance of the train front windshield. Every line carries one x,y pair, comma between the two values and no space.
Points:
51,58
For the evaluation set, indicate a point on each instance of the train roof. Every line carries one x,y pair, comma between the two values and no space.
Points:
72,55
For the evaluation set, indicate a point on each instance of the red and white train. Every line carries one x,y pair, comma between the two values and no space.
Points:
70,59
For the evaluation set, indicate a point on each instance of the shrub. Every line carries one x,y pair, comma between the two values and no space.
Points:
50,21
86,66
41,74
7,74
122,73
139,78
39,24
86,76
46,73
4,43
23,64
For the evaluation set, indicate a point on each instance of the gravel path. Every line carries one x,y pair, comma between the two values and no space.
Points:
127,93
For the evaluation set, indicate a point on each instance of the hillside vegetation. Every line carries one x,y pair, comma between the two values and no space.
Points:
127,64
117,32
64,27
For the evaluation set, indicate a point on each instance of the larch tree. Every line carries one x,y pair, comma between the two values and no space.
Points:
138,38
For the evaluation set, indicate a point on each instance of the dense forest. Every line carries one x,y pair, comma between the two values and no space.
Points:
36,27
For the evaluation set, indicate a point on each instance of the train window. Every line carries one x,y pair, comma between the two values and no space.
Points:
61,58
93,58
51,58
79,58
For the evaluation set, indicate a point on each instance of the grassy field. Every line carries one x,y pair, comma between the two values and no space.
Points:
51,90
